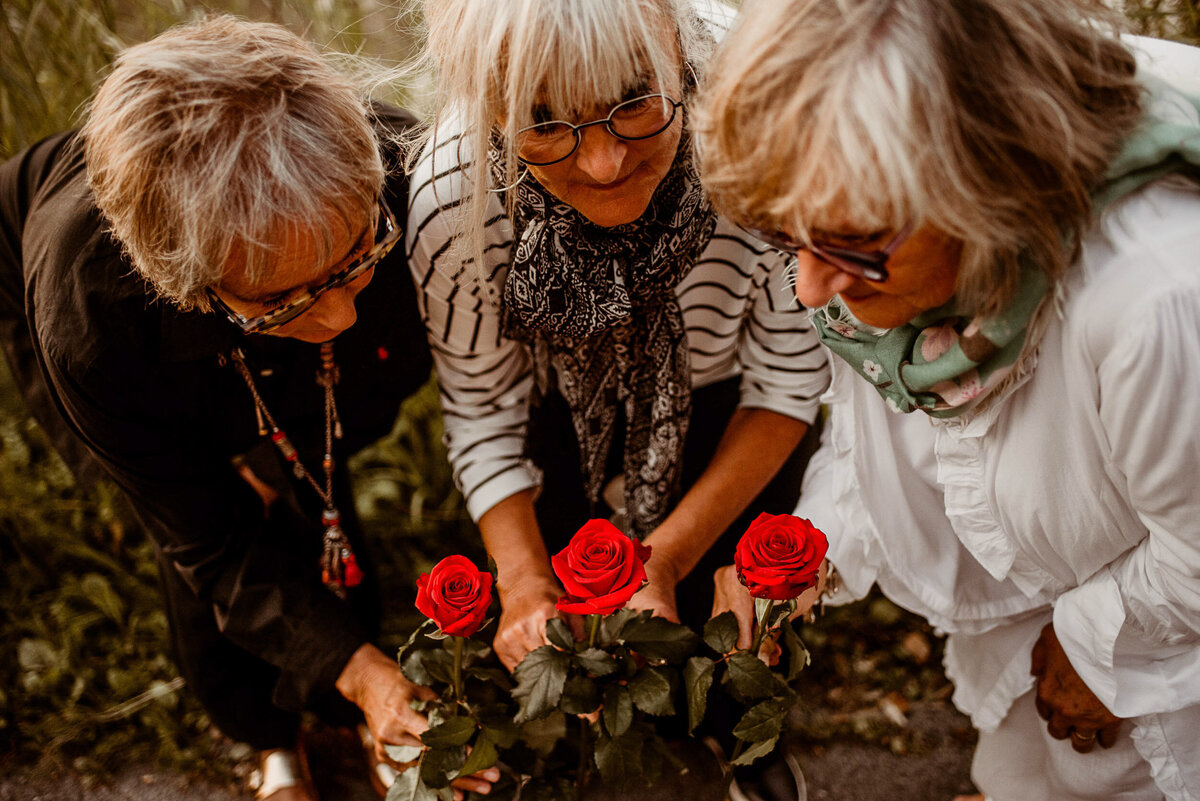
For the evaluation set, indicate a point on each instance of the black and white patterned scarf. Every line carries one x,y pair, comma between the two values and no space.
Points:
597,307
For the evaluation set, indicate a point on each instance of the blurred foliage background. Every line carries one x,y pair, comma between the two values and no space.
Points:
85,681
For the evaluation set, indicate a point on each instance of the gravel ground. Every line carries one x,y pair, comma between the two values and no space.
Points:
933,767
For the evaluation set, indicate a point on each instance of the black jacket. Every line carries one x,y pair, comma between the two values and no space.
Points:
147,390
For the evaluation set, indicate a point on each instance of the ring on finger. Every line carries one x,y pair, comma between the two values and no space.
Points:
1083,737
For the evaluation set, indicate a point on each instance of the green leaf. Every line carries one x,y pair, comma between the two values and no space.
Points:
697,678
404,753
580,696
483,755
780,612
797,655
755,751
651,693
612,625
619,758
659,638
559,633
498,676
596,661
473,650
499,727
427,666
721,632
761,605
455,731
439,764
751,677
761,722
409,787
540,679
101,593
618,710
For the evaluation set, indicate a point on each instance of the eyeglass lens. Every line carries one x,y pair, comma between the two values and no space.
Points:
634,119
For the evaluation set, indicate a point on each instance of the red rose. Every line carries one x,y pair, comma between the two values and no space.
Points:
779,555
600,568
455,595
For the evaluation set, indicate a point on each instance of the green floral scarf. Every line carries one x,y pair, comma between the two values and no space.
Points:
941,362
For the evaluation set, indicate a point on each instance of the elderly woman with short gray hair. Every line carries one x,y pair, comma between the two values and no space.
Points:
995,212
204,293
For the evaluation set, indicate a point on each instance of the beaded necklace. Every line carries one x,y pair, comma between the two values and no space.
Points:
339,567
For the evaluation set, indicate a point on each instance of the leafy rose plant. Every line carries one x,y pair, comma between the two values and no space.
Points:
778,559
471,718
624,671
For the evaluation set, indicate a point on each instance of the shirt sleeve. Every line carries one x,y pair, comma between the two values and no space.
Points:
485,379
785,369
1132,630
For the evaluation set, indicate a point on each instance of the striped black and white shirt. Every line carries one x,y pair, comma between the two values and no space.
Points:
738,308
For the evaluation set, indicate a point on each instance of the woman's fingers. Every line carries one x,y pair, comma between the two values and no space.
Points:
480,782
730,596
1107,735
1059,727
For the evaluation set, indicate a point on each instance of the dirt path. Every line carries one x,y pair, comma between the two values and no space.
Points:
935,768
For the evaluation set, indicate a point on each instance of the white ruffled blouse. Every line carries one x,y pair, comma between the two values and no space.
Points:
1078,489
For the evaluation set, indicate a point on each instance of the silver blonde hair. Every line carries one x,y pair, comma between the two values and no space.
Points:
494,61
991,120
226,138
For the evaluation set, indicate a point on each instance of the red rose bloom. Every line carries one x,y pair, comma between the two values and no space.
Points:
455,595
779,556
600,568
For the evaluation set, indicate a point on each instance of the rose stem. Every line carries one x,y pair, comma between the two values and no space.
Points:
584,756
458,655
760,630
738,748
594,628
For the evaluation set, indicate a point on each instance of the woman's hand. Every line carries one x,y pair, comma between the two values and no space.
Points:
375,684
525,606
730,595
659,594
1068,705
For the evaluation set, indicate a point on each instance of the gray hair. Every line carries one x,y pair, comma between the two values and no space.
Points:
991,120
226,138
496,60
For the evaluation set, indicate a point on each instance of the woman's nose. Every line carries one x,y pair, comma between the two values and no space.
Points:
817,282
600,154
335,309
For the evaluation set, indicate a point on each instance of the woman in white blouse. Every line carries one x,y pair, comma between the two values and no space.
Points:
591,317
995,213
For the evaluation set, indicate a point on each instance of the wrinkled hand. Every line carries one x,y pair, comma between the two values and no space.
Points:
525,606
1068,706
659,594
377,686
730,595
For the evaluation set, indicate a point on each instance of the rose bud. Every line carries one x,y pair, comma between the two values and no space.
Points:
779,556
600,569
455,595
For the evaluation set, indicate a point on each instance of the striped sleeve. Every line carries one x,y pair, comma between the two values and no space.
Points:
752,324
485,380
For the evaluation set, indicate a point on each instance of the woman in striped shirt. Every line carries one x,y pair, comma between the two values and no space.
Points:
591,317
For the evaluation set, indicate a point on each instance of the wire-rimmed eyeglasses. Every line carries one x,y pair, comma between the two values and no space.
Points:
387,233
871,265
637,118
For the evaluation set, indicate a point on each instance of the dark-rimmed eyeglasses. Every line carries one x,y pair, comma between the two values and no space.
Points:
871,265
632,120
387,233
